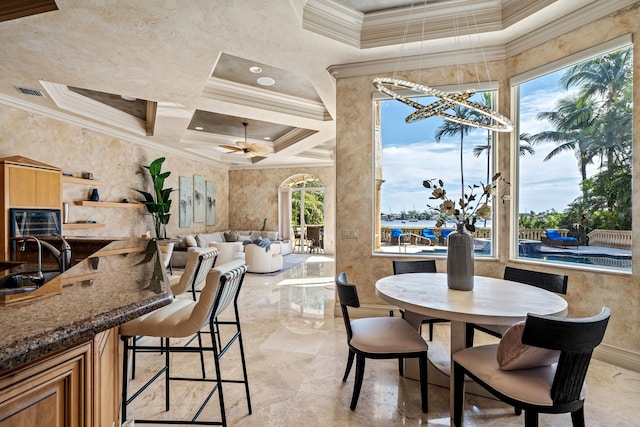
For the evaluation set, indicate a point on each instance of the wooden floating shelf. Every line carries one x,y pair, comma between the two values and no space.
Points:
108,204
81,225
75,180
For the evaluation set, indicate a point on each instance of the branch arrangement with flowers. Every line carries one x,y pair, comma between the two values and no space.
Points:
472,206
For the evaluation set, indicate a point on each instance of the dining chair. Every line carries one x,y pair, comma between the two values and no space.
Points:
541,387
551,282
421,266
184,318
378,338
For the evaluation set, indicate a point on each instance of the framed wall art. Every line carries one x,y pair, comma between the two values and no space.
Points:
211,203
186,201
198,198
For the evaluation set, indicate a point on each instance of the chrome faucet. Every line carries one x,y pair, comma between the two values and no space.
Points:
39,277
62,255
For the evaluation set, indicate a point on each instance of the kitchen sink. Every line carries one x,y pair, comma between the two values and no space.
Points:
19,283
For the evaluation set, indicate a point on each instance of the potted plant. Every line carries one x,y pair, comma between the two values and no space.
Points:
158,203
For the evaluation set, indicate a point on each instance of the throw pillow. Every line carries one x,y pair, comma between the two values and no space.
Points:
190,241
272,235
512,354
244,237
230,236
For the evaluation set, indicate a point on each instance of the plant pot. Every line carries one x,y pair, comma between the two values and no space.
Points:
460,259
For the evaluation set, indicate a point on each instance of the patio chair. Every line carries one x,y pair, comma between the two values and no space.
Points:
554,238
444,234
397,238
429,234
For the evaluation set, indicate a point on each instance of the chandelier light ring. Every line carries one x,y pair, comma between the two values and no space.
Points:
498,123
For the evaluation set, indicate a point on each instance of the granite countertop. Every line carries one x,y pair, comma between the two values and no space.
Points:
122,281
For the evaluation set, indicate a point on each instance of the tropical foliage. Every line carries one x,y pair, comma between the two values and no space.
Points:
313,203
158,203
595,123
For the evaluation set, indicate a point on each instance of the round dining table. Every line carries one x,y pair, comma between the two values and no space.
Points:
492,301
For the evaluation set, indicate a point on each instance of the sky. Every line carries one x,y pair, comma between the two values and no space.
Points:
411,155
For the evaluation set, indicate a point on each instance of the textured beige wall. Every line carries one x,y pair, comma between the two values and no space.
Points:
254,197
588,291
116,162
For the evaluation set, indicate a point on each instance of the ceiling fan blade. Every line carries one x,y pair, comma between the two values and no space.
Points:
247,154
260,149
231,147
243,144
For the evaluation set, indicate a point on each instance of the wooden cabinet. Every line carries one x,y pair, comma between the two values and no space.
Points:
26,184
107,355
52,392
29,186
79,387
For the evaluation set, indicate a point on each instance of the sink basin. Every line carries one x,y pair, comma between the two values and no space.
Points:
19,283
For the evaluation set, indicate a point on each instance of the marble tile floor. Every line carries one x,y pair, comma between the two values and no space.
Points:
296,353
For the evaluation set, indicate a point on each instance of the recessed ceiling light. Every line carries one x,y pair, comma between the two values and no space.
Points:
255,70
199,128
267,138
127,98
266,81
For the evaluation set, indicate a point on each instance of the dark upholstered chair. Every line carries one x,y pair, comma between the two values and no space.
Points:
551,282
556,388
378,338
422,266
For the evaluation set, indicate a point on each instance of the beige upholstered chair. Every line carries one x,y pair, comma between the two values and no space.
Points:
378,338
260,260
184,318
542,387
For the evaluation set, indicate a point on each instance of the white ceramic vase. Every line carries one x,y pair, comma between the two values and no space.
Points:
460,259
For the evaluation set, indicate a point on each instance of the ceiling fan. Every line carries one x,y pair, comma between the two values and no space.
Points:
246,148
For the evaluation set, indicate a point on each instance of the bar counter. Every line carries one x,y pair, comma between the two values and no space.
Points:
121,281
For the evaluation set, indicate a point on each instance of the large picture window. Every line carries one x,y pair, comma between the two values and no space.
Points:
575,157
450,155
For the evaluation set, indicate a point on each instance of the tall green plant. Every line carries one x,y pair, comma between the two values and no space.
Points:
158,204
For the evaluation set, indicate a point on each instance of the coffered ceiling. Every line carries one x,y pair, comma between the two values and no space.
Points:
184,76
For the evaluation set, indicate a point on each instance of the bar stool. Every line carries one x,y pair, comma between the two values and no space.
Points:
183,318
199,263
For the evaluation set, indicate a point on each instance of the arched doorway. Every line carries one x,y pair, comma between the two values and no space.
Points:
302,209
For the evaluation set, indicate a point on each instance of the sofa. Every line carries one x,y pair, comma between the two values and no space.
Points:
204,240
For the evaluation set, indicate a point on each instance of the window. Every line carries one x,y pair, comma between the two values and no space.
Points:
406,154
574,162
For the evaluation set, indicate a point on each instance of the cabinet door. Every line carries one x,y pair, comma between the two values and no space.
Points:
22,186
48,189
49,393
107,378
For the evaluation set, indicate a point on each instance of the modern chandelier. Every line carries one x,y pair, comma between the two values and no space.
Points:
485,119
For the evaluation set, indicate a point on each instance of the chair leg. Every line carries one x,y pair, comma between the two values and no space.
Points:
167,376
577,417
360,362
401,366
349,364
125,377
530,418
458,394
216,359
469,335
204,375
424,382
430,331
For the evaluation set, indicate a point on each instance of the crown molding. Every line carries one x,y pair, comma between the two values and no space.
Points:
101,128
333,20
249,96
416,62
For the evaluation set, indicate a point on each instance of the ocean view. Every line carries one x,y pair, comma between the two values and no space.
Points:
429,223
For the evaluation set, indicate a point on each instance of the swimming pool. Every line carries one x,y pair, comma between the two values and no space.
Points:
622,262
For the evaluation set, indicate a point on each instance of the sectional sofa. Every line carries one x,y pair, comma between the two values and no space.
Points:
229,244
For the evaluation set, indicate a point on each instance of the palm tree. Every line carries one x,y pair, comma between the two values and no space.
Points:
449,128
486,101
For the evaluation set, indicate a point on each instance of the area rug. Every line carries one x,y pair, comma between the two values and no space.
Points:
288,262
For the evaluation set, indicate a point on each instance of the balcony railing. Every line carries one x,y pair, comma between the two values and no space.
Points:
620,239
